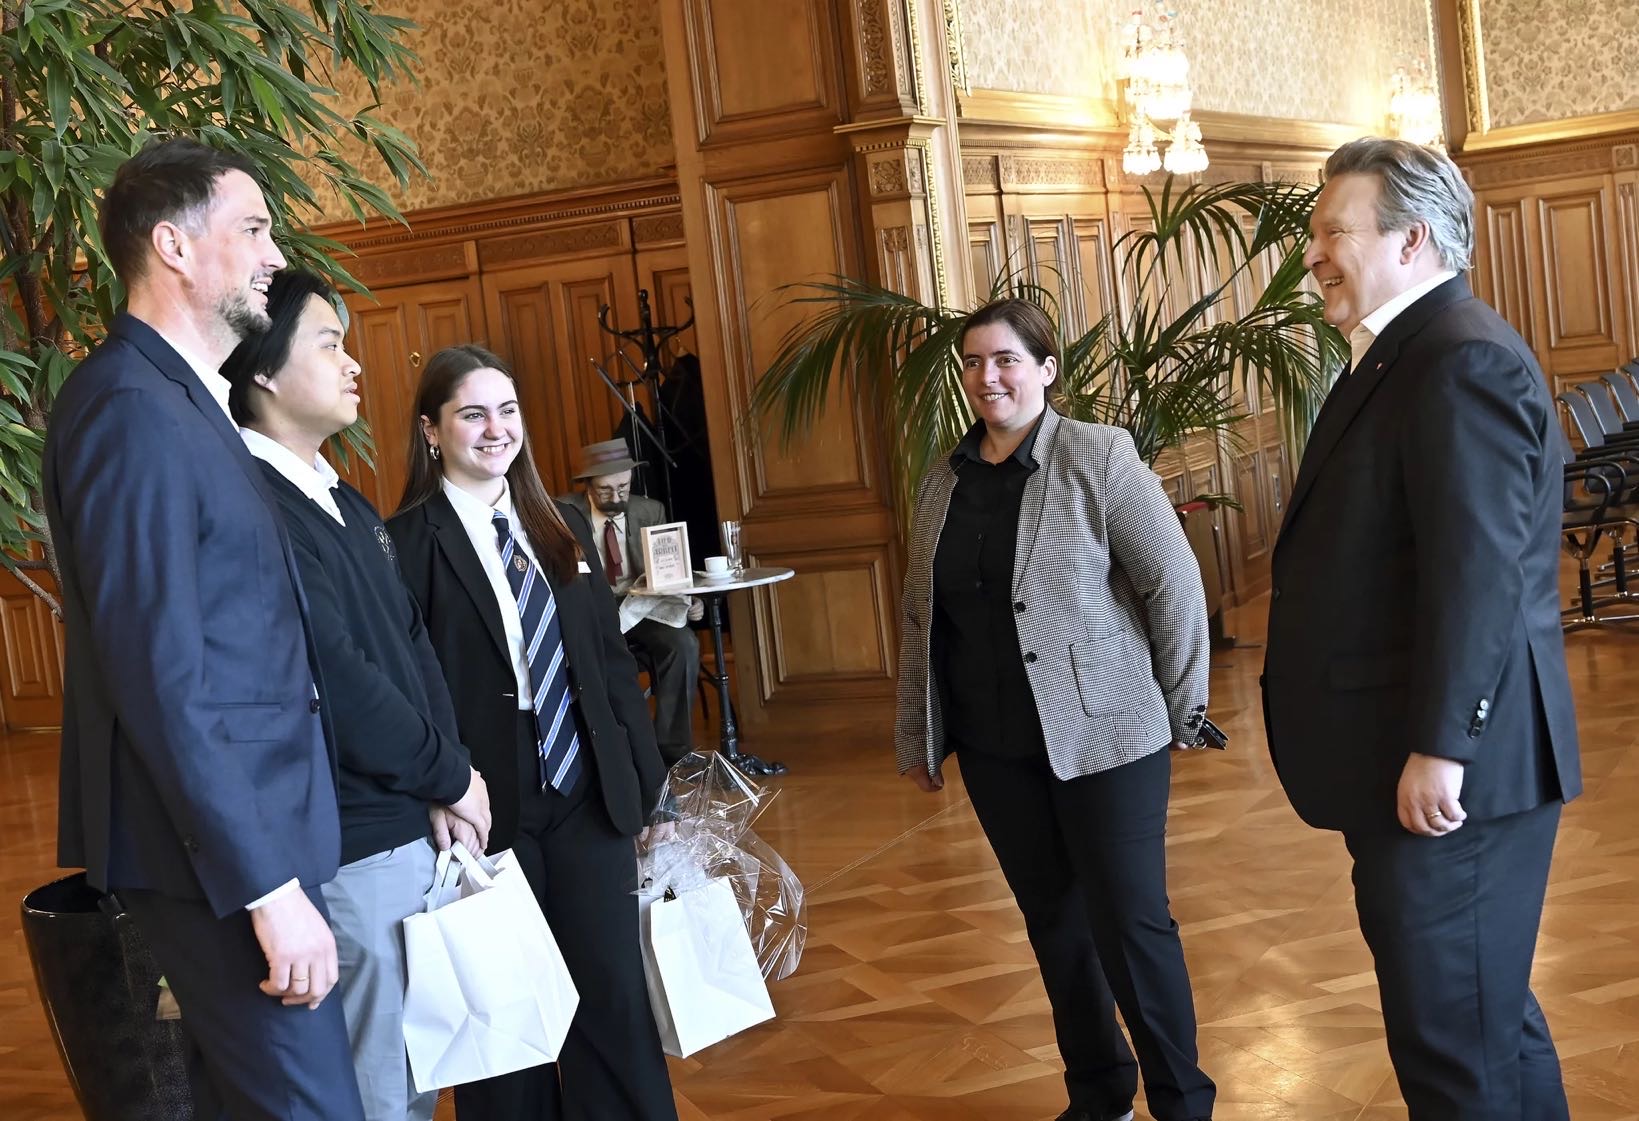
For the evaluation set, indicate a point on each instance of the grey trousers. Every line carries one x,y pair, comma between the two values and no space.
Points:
369,900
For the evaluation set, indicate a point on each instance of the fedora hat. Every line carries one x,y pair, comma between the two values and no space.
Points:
607,458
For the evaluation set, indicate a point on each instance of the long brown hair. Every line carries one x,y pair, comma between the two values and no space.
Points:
549,535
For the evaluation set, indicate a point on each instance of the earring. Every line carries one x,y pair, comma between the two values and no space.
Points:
433,448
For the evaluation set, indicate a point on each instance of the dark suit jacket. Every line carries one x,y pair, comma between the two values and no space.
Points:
1415,605
641,513
464,623
193,757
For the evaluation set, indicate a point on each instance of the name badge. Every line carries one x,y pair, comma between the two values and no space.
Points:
584,567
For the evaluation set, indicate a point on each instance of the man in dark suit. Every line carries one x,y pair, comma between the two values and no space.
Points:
1415,689
618,518
195,778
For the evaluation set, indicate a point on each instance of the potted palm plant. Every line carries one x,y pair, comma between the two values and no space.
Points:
1167,366
83,87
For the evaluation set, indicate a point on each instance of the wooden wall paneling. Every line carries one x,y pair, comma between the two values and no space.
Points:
985,254
763,68
1252,528
379,337
545,322
1584,301
1093,264
827,633
1051,264
987,237
768,177
1627,240
809,211
392,336
1502,264
818,649
31,643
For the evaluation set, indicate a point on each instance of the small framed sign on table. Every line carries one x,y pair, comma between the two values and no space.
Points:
666,556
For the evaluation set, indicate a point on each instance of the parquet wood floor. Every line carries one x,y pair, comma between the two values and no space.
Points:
918,999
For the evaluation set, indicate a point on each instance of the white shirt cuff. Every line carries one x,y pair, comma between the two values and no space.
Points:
283,889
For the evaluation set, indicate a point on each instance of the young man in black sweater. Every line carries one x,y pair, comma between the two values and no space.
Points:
405,782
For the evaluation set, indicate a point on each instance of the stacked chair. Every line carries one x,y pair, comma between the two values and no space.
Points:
1601,498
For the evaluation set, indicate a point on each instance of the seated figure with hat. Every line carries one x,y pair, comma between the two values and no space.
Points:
669,650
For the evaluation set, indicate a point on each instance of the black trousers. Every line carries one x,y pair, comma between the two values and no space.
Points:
1452,925
672,655
1086,860
583,871
251,1058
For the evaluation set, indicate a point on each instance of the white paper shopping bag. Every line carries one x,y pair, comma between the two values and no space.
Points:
488,992
704,981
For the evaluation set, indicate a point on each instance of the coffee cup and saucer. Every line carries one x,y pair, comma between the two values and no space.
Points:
717,569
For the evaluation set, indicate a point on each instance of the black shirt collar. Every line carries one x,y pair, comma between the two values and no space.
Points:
1024,455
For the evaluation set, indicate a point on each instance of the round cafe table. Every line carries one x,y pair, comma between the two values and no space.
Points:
713,592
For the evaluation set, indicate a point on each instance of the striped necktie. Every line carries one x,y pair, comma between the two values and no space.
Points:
558,742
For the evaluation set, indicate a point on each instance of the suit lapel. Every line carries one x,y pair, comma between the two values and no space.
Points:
934,507
1351,393
1035,495
175,367
457,548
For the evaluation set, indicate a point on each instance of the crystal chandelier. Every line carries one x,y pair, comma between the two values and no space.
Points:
1414,107
1155,72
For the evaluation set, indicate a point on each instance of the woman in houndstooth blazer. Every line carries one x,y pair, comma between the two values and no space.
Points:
1055,640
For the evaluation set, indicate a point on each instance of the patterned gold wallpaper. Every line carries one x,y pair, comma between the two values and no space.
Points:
1313,60
519,96
1584,60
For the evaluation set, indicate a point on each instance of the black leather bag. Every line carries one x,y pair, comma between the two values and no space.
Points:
100,988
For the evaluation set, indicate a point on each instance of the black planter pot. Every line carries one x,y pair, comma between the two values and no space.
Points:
100,987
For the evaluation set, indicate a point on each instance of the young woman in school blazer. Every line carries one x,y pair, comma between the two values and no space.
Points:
1055,639
569,796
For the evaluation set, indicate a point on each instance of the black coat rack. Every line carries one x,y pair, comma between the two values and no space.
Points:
648,441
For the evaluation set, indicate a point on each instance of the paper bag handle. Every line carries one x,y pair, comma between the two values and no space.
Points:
481,871
445,874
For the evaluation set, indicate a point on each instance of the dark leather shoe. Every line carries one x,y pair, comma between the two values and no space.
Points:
1085,1115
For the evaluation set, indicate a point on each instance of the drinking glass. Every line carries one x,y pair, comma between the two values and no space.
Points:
731,546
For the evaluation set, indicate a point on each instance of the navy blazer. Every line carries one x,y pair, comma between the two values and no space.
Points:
1415,605
194,760
463,619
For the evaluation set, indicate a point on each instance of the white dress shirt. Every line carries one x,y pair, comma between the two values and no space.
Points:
317,480
215,384
1362,337
477,519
